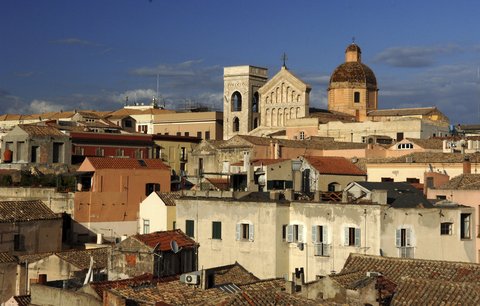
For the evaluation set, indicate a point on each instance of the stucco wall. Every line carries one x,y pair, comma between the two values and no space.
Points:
39,236
267,241
426,238
44,295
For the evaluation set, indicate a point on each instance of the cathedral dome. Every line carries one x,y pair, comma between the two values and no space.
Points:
353,47
354,72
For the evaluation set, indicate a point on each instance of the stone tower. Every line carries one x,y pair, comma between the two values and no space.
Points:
353,86
241,103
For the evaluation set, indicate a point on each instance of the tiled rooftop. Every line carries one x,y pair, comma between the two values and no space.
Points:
429,157
162,240
412,291
219,183
22,211
40,130
170,293
262,297
402,111
232,274
81,258
431,143
333,165
126,163
261,161
463,182
395,269
168,197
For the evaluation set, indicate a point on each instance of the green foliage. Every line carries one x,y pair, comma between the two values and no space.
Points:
6,180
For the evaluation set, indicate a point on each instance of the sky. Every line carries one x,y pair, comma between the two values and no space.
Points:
90,54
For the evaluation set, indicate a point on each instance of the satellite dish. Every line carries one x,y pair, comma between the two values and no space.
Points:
174,246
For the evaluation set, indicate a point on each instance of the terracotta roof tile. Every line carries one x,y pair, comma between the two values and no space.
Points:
263,297
411,291
169,197
33,257
162,239
170,293
232,274
41,130
428,157
395,269
20,211
333,165
219,183
81,258
126,163
402,111
468,181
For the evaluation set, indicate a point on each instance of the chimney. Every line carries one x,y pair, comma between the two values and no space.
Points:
467,166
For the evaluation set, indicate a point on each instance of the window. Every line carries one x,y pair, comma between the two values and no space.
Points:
189,228
35,153
413,180
465,226
356,97
255,102
18,242
295,233
119,152
179,133
216,230
199,134
404,146
128,123
207,135
403,241
244,231
183,153
255,123
446,228
139,154
174,225
399,136
187,134
352,236
441,197
236,124
236,102
320,240
387,179
99,152
79,151
284,232
151,187
302,135
143,128
57,152
146,226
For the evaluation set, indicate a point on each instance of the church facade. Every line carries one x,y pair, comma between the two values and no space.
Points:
279,107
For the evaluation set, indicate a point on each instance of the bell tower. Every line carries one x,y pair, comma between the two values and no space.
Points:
241,103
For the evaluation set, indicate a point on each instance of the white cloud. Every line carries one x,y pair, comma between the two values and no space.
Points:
41,106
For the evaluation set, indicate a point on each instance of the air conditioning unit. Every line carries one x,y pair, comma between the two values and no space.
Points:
373,274
191,279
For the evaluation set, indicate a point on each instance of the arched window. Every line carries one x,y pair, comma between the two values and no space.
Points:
255,102
236,124
236,101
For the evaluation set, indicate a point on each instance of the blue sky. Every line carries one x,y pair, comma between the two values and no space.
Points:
90,54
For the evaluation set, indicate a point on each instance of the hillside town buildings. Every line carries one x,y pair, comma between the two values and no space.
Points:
270,201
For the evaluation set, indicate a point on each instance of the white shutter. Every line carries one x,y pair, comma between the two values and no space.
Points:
314,234
346,240
300,233
325,249
289,233
398,237
408,238
237,233
357,237
250,232
325,234
317,248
